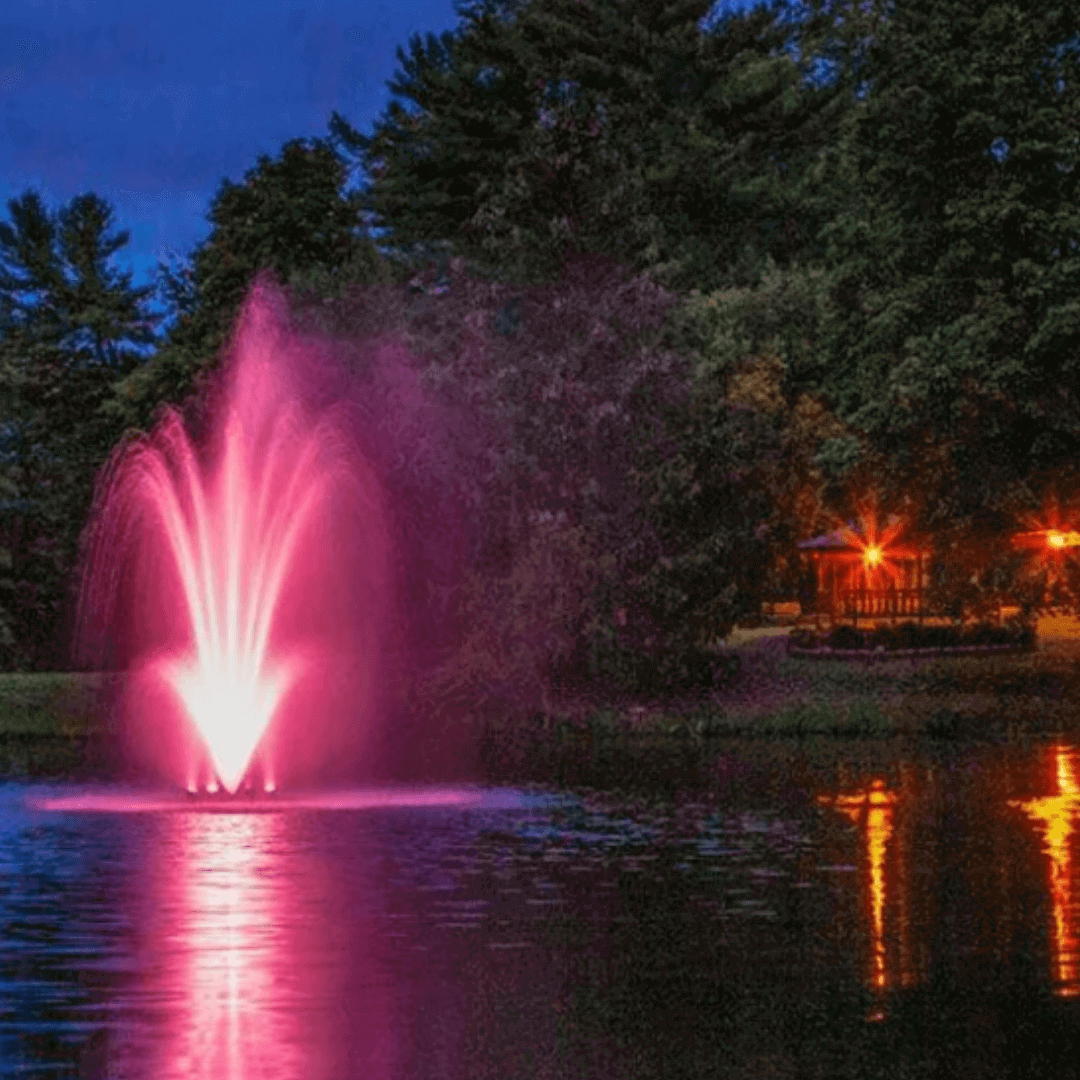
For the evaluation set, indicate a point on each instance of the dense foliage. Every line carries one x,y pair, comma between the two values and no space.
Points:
70,327
682,294
911,635
290,216
544,395
615,126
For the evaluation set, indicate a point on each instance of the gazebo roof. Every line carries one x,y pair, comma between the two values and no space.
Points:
834,541
831,540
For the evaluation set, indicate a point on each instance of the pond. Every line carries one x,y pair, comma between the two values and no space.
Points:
826,909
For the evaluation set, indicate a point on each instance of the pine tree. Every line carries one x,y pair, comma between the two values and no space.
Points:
71,325
291,216
620,128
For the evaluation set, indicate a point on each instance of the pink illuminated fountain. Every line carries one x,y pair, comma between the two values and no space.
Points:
240,576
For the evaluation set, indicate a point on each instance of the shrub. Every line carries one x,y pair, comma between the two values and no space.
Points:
866,718
691,669
936,637
803,719
984,634
907,635
883,637
665,671
707,724
846,637
605,722
726,667
520,624
944,724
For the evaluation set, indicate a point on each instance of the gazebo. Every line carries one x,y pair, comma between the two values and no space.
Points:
860,576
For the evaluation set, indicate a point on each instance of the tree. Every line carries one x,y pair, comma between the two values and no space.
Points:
290,216
612,127
742,476
522,425
70,326
952,337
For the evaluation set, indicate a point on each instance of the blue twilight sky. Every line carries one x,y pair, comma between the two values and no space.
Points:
150,103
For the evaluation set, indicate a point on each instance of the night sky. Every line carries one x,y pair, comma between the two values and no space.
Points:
152,104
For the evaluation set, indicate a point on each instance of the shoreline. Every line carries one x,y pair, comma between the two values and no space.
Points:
50,726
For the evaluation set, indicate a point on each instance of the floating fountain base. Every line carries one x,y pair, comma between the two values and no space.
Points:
129,802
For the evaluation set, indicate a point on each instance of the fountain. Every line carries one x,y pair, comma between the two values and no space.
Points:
245,581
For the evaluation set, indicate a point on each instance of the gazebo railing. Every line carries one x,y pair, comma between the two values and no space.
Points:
880,603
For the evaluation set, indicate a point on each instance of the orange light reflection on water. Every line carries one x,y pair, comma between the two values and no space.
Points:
884,884
1055,817
872,810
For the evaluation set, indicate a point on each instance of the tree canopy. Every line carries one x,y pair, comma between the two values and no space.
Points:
950,339
864,217
290,216
615,127
71,326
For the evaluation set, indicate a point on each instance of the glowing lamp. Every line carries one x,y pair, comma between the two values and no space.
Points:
1062,539
872,556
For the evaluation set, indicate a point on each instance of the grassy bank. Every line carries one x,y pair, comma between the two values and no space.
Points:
54,724
776,695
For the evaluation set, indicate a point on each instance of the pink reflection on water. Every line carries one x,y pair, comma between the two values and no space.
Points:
256,969
226,982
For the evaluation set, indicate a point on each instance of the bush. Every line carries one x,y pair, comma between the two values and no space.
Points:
984,634
884,637
866,718
944,724
845,637
936,637
726,667
707,725
912,636
804,719
908,635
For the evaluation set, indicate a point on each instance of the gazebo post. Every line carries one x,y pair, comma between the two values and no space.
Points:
919,594
818,597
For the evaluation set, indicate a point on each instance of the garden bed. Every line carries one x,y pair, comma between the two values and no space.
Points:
911,641
880,653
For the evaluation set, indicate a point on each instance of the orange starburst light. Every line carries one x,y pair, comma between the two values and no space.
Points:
1063,539
872,544
1048,541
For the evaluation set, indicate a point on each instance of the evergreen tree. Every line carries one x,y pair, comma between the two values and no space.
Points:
953,315
290,216
71,325
613,127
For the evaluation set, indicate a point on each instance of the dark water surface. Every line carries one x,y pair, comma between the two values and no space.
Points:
757,910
